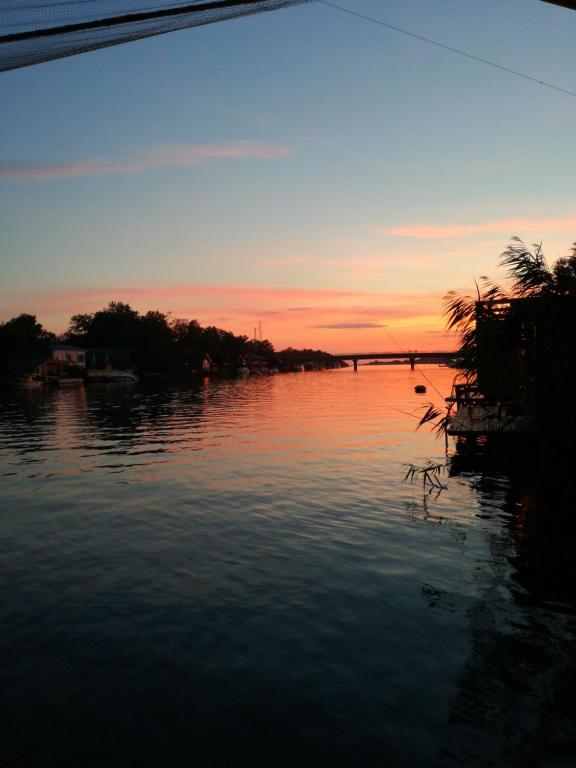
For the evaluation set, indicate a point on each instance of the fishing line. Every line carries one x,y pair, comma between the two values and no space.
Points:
419,369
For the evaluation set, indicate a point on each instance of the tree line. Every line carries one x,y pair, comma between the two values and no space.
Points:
157,343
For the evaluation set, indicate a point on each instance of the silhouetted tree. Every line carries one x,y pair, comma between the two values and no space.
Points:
154,344
531,274
532,278
115,326
21,336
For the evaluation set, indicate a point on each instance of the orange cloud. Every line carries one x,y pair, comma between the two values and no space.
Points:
327,319
178,156
201,292
507,226
347,326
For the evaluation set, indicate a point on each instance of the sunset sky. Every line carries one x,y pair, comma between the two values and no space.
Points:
305,169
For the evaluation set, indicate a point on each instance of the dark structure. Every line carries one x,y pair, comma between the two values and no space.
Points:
524,355
565,3
46,30
108,357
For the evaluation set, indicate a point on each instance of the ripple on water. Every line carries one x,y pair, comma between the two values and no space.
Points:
238,571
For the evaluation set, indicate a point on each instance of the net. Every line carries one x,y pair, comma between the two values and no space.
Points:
32,32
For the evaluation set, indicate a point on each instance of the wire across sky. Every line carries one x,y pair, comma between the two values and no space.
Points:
42,31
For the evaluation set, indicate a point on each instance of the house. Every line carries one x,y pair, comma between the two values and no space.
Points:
69,355
62,359
66,359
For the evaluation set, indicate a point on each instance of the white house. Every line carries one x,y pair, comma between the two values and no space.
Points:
68,355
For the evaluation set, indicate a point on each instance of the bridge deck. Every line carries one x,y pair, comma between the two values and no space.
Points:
396,355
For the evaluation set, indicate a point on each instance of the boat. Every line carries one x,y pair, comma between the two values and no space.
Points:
70,381
64,381
470,414
126,377
32,381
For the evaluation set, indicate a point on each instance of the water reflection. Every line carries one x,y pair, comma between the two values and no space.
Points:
516,693
535,509
236,572
28,424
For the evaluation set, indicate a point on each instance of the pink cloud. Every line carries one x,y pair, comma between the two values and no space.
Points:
178,156
290,316
249,299
506,226
348,326
271,295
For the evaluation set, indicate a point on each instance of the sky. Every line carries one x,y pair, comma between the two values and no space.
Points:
306,170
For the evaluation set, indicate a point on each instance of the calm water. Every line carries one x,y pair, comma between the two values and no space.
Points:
236,573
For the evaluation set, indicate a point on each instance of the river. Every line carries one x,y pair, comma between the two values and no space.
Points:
236,572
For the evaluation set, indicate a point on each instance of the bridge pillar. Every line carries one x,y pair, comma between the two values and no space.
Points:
355,361
412,359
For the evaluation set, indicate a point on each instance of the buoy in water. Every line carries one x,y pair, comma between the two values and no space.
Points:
420,389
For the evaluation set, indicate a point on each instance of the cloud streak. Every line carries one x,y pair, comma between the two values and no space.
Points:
506,226
348,326
176,156
310,317
368,307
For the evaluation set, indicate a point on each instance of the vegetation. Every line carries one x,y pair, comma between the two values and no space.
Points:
532,278
517,345
290,358
429,473
531,274
22,337
156,342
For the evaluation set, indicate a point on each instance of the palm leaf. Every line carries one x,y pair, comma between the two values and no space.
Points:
528,269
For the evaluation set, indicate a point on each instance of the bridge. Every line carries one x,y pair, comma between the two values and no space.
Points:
410,356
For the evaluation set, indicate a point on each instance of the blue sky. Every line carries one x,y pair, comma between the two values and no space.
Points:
303,167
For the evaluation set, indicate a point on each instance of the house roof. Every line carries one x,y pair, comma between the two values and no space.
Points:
108,350
66,348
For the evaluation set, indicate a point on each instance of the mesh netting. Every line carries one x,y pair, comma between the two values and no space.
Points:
31,32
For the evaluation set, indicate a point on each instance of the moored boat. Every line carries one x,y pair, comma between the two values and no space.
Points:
64,381
32,380
126,377
472,414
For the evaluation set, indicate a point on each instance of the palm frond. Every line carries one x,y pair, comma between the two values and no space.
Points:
431,414
438,419
490,291
459,311
528,269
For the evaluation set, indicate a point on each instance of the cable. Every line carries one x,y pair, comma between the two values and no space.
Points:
447,47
